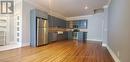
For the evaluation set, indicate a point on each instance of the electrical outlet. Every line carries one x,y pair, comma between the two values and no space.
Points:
118,53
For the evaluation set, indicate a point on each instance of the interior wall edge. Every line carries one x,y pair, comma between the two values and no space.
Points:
116,59
25,44
94,40
104,44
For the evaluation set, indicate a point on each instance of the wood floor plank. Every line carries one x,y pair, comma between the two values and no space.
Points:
61,51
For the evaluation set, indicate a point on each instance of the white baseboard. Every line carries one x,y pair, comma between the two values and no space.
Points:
9,47
13,46
116,59
11,42
25,44
94,40
104,45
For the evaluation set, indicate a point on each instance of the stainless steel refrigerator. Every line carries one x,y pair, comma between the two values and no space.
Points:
42,31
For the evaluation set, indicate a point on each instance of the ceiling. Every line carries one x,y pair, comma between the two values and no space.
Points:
72,8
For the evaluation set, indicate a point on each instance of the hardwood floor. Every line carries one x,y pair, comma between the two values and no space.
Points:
62,51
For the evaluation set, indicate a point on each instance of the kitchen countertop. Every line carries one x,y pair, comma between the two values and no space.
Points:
81,30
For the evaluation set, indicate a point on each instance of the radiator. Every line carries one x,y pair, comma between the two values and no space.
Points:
2,38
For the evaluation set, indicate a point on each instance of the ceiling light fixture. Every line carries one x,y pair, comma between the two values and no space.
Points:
106,6
86,7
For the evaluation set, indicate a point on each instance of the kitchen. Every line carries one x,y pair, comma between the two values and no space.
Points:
57,29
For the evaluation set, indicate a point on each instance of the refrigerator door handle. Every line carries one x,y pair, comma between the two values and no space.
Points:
38,20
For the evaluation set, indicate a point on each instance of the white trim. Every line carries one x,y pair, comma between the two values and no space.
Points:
26,44
78,17
116,59
9,47
94,40
104,45
11,42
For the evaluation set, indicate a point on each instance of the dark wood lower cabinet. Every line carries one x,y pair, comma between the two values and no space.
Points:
54,36
60,37
82,36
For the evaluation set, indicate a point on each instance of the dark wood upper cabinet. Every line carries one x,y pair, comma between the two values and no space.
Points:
56,22
81,24
50,21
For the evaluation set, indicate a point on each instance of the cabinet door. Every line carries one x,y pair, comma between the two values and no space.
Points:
84,36
70,35
54,21
50,21
67,24
66,35
83,24
64,24
59,23
50,36
79,24
80,35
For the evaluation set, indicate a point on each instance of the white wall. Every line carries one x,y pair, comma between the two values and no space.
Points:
119,29
26,22
95,27
105,27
